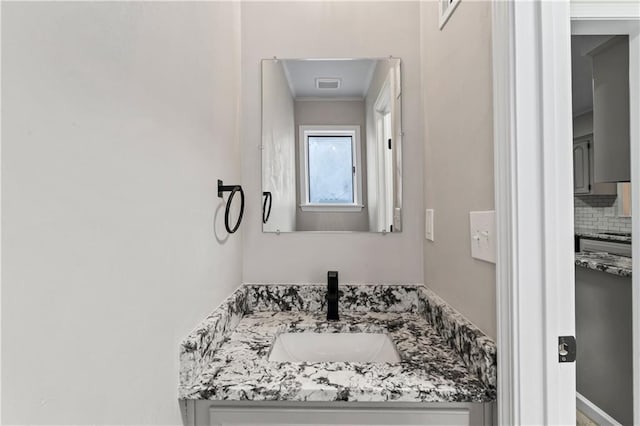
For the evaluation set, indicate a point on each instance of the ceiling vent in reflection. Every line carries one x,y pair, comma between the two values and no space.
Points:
327,83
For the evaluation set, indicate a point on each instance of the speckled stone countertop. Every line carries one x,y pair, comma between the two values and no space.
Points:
605,262
602,235
444,358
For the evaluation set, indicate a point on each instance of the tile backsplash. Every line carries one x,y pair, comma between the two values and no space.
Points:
599,213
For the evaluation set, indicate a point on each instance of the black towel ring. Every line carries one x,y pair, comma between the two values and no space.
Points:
233,188
267,196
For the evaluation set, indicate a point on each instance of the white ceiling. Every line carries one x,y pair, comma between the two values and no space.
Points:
581,78
355,75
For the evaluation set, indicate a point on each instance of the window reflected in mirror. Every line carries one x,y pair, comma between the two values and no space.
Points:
331,144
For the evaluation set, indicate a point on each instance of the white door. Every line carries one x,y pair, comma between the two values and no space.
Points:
383,113
388,170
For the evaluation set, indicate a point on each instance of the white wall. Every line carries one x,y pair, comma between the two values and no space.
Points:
457,93
333,112
278,148
330,30
117,120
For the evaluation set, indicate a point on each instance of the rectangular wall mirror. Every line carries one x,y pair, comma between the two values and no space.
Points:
331,145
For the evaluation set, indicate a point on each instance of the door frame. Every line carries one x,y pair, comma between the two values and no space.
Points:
534,204
534,210
381,108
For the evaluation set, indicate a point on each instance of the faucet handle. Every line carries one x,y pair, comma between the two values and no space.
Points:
332,282
332,296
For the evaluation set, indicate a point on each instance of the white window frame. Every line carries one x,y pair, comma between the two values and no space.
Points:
337,130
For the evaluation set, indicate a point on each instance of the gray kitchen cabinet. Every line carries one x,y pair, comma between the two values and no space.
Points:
611,156
583,183
581,166
605,342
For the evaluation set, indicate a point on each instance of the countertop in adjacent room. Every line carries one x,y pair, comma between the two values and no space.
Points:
603,235
605,262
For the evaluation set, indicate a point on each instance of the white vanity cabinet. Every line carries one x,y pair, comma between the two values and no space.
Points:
611,111
583,183
213,413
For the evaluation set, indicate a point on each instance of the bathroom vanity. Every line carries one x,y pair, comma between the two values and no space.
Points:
398,355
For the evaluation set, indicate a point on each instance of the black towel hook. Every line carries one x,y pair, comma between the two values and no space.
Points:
267,196
233,188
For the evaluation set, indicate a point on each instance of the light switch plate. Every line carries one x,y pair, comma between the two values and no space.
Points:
482,232
428,224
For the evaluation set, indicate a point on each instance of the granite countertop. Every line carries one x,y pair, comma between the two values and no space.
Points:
603,235
429,370
605,262
443,357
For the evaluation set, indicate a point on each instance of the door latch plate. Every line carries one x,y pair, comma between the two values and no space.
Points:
566,349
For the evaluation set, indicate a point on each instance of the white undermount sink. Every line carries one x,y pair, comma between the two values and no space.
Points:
323,347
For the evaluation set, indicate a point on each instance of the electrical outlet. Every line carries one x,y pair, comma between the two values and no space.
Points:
428,224
482,227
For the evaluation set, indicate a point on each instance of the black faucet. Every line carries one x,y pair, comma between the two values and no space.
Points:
332,296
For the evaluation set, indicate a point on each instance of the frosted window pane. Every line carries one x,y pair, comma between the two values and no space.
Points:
330,169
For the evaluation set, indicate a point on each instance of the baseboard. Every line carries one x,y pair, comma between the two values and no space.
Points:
592,411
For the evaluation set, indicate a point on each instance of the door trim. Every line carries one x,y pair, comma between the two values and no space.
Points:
531,48
610,10
508,396
534,204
